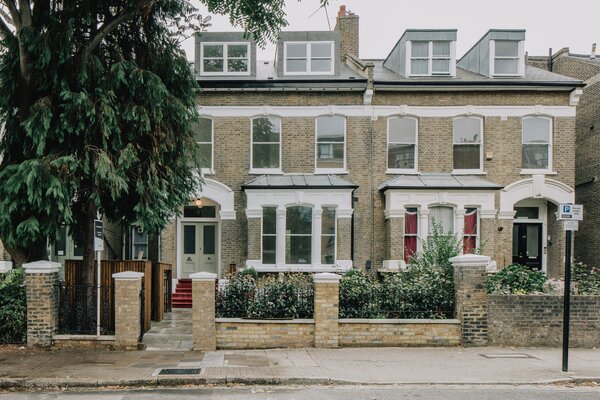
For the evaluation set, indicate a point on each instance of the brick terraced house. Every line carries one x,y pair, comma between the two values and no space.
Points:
587,166
319,160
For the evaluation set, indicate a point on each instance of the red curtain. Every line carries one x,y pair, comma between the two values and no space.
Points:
410,228
470,238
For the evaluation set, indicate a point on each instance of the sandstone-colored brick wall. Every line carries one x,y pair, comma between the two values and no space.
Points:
168,245
576,67
386,333
395,238
536,320
343,238
471,304
203,315
254,238
81,342
248,334
327,298
4,254
471,98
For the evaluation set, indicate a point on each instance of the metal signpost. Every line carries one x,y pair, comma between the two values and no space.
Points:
98,247
570,214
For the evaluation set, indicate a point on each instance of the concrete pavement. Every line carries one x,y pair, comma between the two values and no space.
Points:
486,365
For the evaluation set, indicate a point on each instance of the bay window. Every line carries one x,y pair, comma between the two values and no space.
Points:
298,235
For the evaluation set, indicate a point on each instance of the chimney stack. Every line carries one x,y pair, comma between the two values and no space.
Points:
593,55
347,26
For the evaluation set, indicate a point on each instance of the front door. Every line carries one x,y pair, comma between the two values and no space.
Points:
527,245
199,248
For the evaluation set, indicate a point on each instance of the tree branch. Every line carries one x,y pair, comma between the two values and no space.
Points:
111,25
25,10
14,13
4,29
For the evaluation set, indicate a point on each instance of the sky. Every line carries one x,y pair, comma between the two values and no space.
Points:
549,23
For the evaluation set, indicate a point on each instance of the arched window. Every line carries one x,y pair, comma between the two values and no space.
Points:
537,143
402,143
443,218
298,235
266,144
468,135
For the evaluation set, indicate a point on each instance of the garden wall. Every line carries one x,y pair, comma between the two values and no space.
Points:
536,320
398,332
236,333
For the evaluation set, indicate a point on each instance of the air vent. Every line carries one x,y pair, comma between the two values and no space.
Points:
179,371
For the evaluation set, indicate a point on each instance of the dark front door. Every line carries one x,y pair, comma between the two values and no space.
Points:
527,245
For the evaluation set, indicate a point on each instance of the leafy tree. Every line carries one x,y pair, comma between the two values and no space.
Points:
97,101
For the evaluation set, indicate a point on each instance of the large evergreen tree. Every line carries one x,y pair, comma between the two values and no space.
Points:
97,101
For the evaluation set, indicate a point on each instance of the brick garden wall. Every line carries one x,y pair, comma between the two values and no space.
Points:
531,320
403,333
234,333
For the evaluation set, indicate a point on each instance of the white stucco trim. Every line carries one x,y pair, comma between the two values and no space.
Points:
386,111
221,194
536,187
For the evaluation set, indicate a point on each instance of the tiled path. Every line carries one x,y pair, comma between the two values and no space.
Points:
173,333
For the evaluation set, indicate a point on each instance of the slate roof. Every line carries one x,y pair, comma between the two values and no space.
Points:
532,75
306,181
438,181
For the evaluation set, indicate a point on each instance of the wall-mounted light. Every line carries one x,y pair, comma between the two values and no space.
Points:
198,202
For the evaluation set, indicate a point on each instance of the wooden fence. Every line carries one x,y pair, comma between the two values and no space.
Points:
74,275
161,290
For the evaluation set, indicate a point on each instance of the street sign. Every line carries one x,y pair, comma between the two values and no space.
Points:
98,233
570,225
572,212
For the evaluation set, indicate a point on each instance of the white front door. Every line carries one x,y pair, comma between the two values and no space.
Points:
199,248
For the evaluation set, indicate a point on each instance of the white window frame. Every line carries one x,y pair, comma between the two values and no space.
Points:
452,59
481,128
211,170
520,57
265,170
308,59
417,235
331,170
225,58
133,243
335,219
532,171
311,234
414,170
262,234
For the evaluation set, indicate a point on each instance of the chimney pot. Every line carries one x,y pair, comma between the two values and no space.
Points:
593,55
342,11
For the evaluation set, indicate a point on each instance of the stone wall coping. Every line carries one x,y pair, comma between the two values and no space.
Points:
5,266
91,338
128,276
263,321
470,260
42,267
203,277
326,277
533,296
398,321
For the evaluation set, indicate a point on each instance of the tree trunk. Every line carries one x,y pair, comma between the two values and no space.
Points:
36,252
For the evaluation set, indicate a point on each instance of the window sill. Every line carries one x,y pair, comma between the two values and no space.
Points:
333,171
468,172
269,171
392,171
538,172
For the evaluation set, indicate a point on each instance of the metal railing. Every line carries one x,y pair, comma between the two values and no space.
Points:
77,309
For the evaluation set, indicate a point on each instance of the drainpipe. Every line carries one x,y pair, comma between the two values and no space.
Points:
352,227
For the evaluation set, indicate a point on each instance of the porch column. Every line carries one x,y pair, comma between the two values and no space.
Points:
41,278
128,308
203,311
317,227
280,257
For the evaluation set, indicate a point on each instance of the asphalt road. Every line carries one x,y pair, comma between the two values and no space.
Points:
425,392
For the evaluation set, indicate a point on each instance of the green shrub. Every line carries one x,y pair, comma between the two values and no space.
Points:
586,280
516,279
426,290
13,307
266,297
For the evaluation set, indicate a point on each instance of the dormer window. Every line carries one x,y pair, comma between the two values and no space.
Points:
508,59
429,58
308,58
225,59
